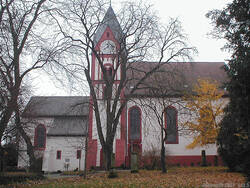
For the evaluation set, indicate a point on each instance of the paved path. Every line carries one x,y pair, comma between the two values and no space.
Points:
58,175
55,176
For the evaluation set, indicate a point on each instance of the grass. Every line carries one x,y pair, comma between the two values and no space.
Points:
176,177
72,173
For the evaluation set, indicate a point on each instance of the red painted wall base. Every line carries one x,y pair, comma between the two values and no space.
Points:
120,153
194,160
92,153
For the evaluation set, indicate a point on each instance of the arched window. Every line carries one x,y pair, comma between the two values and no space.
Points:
135,123
171,125
40,137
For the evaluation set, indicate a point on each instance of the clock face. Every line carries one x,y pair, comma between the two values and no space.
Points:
107,47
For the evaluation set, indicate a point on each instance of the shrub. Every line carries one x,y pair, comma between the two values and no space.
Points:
215,160
72,172
7,178
14,169
134,171
112,174
123,166
151,161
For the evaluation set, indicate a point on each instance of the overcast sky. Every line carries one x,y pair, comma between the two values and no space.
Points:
192,15
195,24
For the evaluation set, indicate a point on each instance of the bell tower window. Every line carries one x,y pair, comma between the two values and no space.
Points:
109,72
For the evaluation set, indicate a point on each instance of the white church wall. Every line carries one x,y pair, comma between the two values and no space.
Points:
151,139
68,147
23,159
118,74
96,75
29,126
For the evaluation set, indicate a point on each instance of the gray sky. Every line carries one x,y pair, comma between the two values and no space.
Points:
192,15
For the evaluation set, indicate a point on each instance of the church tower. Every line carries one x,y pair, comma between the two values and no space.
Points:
107,44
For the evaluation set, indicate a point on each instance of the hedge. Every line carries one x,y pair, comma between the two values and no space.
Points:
8,178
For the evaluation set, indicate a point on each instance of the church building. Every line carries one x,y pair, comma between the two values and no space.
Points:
59,125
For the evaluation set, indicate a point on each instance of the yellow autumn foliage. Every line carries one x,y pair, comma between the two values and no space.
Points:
205,103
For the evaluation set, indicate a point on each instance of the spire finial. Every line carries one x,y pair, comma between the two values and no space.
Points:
110,3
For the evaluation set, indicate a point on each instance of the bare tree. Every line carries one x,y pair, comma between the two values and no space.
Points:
24,48
140,37
30,149
162,90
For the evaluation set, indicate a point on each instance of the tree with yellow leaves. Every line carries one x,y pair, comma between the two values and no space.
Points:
205,103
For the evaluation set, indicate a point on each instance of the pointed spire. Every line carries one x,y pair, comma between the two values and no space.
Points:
109,20
109,16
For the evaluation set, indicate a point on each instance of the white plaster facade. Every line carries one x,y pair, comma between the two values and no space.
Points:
66,130
67,145
151,129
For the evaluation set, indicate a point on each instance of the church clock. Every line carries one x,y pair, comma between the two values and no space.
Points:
107,47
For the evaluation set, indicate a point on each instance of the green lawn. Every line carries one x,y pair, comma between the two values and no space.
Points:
176,177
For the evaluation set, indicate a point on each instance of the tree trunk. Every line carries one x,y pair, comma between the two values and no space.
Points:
85,158
30,149
1,159
5,120
108,156
163,159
